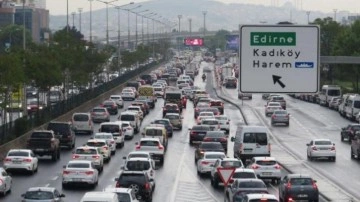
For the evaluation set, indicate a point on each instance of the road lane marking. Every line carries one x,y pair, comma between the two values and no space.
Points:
55,178
47,185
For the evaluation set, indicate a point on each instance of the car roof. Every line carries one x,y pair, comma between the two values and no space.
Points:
212,152
102,133
298,176
138,159
261,196
19,150
79,161
118,190
81,113
86,147
128,112
264,158
97,140
50,189
150,139
244,170
315,140
173,114
110,123
139,152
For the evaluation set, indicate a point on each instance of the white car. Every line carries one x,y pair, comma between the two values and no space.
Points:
124,194
244,173
273,104
108,137
82,123
224,122
137,154
321,148
80,172
128,95
5,182
128,130
115,129
266,168
159,91
141,164
269,110
90,153
103,145
153,146
206,163
136,109
201,117
118,100
21,159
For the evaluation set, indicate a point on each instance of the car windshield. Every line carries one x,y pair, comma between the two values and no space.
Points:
161,122
99,110
278,98
172,116
96,144
244,175
214,156
261,200
124,197
78,165
266,163
280,112
217,134
137,165
158,89
110,128
127,118
260,138
357,104
301,181
173,96
153,132
138,155
274,104
102,136
85,151
149,143
231,164
39,195
18,153
115,97
323,142
210,146
108,103
252,184
210,122
221,118
81,117
129,178
41,135
334,92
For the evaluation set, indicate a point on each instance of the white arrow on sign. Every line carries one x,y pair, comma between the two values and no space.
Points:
225,174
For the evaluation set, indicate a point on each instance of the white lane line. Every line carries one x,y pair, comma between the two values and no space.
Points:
55,178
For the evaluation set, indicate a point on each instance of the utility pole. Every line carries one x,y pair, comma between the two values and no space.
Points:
204,13
107,18
190,26
308,17
335,10
73,19
90,20
80,11
179,16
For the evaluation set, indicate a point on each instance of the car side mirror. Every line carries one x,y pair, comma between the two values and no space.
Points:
307,144
62,195
64,166
124,157
122,167
116,179
136,143
232,139
23,195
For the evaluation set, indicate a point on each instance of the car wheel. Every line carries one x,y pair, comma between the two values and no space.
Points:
334,159
37,167
352,154
342,138
54,156
122,144
64,186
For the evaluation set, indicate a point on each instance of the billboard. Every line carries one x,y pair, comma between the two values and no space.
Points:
193,41
232,42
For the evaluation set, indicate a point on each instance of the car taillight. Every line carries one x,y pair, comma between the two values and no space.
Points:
255,167
7,160
314,148
160,146
95,156
202,151
273,116
147,186
89,172
66,172
204,162
112,142
192,133
333,148
117,184
288,185
207,139
314,185
106,147
75,156
277,166
223,139
269,147
197,109
138,147
27,160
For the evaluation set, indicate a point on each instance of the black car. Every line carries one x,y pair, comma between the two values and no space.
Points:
216,136
349,132
111,106
147,78
138,181
298,187
167,124
206,147
197,133
231,83
170,108
64,132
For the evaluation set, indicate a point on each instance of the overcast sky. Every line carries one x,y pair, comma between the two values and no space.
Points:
58,7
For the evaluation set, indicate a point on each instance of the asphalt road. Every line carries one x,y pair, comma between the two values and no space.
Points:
175,181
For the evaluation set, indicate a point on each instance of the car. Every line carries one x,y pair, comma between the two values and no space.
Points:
199,108
280,99
244,173
349,132
230,82
321,148
64,132
128,130
207,147
224,123
133,118
260,197
99,115
102,196
334,103
170,108
273,104
218,104
240,187
124,194
167,124
216,136
214,110
139,181
79,172
128,95
206,162
204,116
109,138
35,105
153,146
280,116
244,95
42,194
223,163
197,133
137,154
113,131
266,168
175,120
134,89
143,106
203,100
82,123
136,109
213,123
269,110
102,145
111,106
294,187
93,154
21,159
5,182
118,100
141,164
156,131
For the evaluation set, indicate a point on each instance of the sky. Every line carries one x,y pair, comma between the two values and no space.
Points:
58,7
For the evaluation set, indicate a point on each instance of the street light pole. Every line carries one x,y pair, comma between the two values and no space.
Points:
308,17
119,42
335,10
90,20
80,11
67,15
24,106
107,18
204,13
73,19
179,16
190,26
136,26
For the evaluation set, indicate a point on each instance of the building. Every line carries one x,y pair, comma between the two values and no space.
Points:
31,3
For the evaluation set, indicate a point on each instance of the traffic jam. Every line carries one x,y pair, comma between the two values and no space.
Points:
147,116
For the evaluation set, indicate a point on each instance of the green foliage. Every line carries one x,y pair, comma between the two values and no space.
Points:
12,36
216,41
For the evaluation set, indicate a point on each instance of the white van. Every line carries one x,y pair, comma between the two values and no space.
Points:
82,123
251,141
96,196
133,118
352,106
328,92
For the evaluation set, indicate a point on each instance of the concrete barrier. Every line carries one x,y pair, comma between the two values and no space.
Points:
20,142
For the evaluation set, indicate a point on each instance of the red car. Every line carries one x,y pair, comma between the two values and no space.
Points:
184,101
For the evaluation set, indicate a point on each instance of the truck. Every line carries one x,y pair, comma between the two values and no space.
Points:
44,143
175,97
148,92
226,71
191,70
328,92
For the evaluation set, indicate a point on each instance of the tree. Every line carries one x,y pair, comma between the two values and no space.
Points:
216,41
11,37
329,32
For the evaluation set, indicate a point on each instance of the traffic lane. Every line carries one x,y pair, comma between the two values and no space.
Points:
299,133
50,171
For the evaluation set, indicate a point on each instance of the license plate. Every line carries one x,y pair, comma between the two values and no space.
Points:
302,195
266,173
16,162
323,148
76,179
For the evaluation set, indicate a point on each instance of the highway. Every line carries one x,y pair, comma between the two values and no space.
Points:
177,180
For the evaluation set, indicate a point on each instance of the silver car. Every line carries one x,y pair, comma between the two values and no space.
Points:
42,194
100,114
321,148
80,172
280,116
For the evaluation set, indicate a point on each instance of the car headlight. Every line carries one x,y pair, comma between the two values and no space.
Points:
28,107
40,107
20,105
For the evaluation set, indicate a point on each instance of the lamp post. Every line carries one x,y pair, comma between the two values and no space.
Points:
308,17
128,10
67,15
147,25
107,18
335,10
73,18
24,49
190,26
179,17
90,20
204,13
80,11
136,25
142,24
